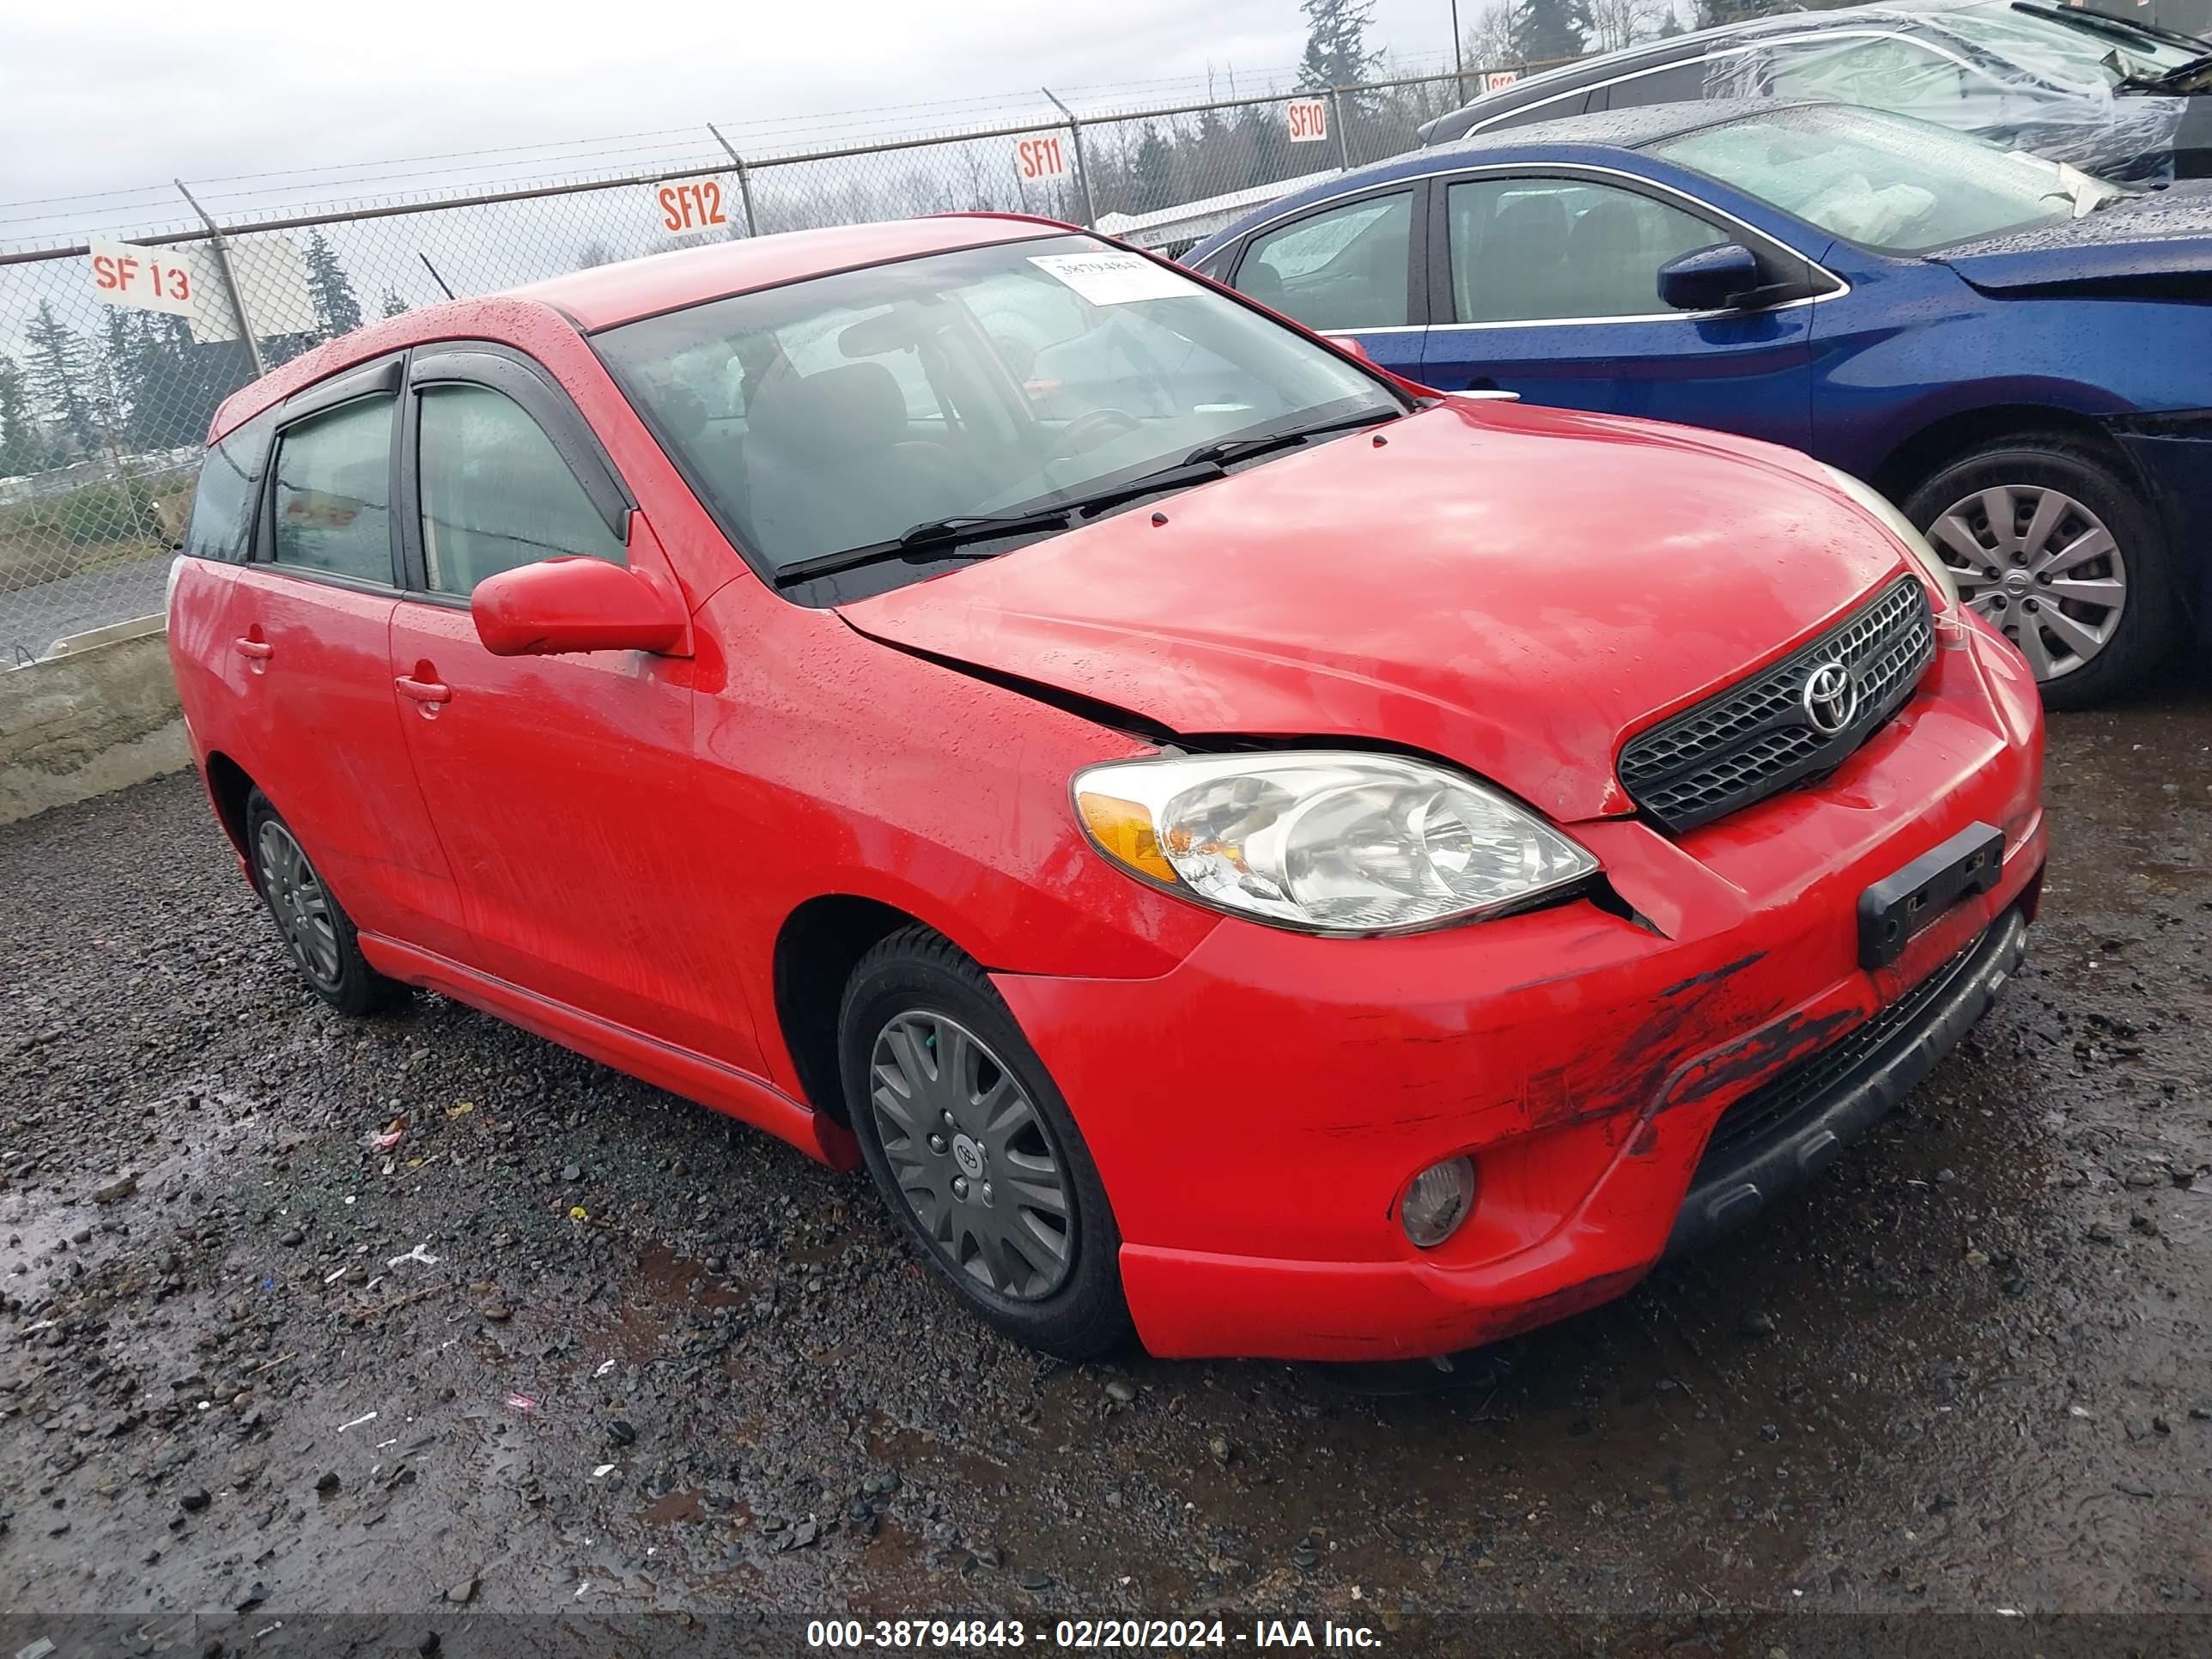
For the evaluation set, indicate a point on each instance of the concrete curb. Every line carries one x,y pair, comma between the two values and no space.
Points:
97,714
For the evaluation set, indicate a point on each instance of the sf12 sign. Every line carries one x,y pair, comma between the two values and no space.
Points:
1039,158
147,278
699,204
1309,119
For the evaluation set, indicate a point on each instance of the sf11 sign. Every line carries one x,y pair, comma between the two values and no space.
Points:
147,278
1309,119
698,204
1039,158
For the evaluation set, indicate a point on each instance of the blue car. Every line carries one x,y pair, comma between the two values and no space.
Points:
2017,355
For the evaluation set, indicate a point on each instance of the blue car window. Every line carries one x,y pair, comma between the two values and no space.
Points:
1343,268
1526,250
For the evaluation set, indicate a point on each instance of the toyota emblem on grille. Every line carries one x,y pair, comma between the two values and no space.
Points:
1832,697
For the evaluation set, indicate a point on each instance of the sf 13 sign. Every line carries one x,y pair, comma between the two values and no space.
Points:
1041,157
695,204
1309,119
1498,79
147,278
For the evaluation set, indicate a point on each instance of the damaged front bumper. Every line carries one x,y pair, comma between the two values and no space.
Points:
1257,1113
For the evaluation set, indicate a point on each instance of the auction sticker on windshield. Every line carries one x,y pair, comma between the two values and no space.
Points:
1112,279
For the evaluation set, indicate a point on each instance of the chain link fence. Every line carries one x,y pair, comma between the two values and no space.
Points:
115,351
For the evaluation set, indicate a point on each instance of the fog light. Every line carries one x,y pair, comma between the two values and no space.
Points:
1438,1202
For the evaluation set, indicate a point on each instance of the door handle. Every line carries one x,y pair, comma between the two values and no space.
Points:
259,650
430,693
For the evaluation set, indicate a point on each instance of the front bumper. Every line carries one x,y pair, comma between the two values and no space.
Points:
1256,1112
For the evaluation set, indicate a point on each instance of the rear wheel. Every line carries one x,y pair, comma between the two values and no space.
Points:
314,925
974,1149
2054,546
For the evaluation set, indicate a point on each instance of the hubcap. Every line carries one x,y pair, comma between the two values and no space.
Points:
2040,566
296,899
971,1156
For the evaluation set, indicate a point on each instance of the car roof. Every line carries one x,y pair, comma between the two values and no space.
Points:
601,296
1679,48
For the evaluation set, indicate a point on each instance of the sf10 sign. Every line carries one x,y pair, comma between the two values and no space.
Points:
1041,157
698,204
146,278
1309,119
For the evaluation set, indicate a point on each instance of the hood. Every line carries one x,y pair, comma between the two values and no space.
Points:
2159,241
1512,588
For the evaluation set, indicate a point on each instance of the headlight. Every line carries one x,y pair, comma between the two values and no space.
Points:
1322,841
1900,527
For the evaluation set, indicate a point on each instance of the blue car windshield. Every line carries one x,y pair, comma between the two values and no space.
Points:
1885,181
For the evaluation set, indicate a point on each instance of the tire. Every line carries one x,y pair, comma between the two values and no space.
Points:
2117,617
309,919
918,1014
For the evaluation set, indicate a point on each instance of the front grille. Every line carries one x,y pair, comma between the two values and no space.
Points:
1756,738
1773,1107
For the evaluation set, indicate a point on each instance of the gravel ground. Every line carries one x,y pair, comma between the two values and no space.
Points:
574,1344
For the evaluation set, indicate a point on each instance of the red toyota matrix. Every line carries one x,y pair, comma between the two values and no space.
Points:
1246,851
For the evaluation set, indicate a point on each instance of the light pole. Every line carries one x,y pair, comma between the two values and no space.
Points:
1459,70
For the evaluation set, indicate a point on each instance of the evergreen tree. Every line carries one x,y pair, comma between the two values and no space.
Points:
22,448
60,375
337,310
1546,30
393,305
116,391
1336,43
1154,169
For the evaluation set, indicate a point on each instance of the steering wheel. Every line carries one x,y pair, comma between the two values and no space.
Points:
1090,428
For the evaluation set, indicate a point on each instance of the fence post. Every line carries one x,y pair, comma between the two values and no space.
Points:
229,282
1336,120
1082,165
744,178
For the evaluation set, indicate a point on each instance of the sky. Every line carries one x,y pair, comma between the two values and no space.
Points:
128,94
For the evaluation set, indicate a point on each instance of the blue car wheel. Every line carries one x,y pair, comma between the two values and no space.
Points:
2051,543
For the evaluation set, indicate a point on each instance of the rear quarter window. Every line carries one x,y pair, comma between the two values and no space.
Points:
229,486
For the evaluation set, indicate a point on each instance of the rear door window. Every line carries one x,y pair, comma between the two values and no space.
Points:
332,499
1678,83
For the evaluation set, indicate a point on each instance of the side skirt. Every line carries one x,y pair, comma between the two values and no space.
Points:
680,1071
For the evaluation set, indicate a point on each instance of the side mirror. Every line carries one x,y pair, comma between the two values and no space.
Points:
565,605
1349,346
1710,278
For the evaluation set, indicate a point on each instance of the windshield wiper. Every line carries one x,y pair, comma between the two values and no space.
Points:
1225,450
933,539
943,538
2175,79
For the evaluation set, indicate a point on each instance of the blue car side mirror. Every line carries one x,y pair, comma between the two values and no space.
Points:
1717,279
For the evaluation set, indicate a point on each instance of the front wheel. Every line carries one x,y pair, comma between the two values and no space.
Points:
975,1151
2057,550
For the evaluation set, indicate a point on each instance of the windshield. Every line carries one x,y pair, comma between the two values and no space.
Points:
2096,52
1885,181
842,412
